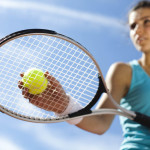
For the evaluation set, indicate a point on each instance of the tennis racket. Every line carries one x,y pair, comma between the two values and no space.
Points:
66,60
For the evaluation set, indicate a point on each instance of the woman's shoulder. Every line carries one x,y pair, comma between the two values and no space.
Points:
121,68
120,73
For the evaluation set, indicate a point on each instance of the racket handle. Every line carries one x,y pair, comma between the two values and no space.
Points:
142,119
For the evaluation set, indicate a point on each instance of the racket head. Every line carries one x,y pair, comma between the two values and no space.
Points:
67,60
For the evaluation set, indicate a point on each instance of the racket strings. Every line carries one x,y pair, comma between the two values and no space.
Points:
65,61
40,58
71,73
56,47
11,100
29,49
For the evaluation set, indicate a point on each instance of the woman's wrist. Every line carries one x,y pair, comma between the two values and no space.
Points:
73,106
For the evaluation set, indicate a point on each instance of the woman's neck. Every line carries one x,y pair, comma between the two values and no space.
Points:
145,63
145,60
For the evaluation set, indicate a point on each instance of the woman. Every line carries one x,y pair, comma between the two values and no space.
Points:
128,83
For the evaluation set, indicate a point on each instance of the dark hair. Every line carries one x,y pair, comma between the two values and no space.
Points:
141,4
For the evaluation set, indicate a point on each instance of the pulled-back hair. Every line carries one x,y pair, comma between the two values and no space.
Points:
141,4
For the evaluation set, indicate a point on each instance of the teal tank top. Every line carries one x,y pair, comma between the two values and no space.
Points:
136,136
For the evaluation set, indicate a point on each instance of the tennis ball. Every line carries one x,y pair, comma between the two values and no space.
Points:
35,81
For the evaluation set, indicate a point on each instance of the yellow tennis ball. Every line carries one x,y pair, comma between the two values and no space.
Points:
35,81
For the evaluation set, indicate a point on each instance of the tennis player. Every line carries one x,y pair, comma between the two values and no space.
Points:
129,84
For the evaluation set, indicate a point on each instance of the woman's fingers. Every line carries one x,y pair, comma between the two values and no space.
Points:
20,84
55,85
25,93
22,74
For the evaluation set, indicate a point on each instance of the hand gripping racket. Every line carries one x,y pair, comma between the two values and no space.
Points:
68,61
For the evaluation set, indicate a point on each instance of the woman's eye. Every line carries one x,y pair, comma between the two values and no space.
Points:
147,22
132,26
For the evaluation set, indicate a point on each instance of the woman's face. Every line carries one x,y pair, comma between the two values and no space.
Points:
139,22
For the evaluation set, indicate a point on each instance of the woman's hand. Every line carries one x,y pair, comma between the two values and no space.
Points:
54,97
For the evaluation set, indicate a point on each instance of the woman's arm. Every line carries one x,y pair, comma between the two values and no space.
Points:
118,82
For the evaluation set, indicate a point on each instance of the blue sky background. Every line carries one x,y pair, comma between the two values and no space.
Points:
101,26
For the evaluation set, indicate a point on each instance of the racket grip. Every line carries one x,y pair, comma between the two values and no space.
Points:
142,119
